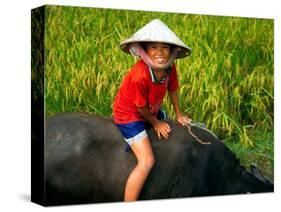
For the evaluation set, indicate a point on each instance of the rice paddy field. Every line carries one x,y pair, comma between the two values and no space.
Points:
227,82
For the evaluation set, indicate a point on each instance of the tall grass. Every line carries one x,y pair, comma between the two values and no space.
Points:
226,83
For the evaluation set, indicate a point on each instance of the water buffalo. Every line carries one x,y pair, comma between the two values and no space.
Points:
86,163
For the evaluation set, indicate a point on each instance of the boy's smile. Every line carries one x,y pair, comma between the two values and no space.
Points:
159,53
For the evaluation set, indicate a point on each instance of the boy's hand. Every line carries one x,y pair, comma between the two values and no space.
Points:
183,120
162,129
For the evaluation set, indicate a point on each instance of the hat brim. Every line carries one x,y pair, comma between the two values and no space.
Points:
185,51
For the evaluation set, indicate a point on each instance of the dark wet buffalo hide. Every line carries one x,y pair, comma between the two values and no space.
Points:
86,162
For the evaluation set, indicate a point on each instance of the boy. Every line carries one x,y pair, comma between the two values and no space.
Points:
142,92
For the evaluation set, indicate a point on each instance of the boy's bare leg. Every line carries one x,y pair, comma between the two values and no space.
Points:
145,158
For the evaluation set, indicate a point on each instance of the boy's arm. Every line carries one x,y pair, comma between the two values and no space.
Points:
161,128
181,118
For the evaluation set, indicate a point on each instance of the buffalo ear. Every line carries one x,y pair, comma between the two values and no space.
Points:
257,173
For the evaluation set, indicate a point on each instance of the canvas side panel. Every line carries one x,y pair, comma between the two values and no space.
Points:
37,105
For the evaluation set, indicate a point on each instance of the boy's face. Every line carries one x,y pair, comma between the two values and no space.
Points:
159,53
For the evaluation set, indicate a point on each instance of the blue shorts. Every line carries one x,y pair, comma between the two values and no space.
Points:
134,132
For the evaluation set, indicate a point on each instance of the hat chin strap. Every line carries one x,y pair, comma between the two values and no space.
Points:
137,51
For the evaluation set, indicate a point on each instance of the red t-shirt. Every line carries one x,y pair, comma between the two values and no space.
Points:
139,90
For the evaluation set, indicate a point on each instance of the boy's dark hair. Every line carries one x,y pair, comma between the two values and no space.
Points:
144,45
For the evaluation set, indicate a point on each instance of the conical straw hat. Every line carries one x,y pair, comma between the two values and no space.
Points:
156,31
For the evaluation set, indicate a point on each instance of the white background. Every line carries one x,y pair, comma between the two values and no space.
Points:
15,105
